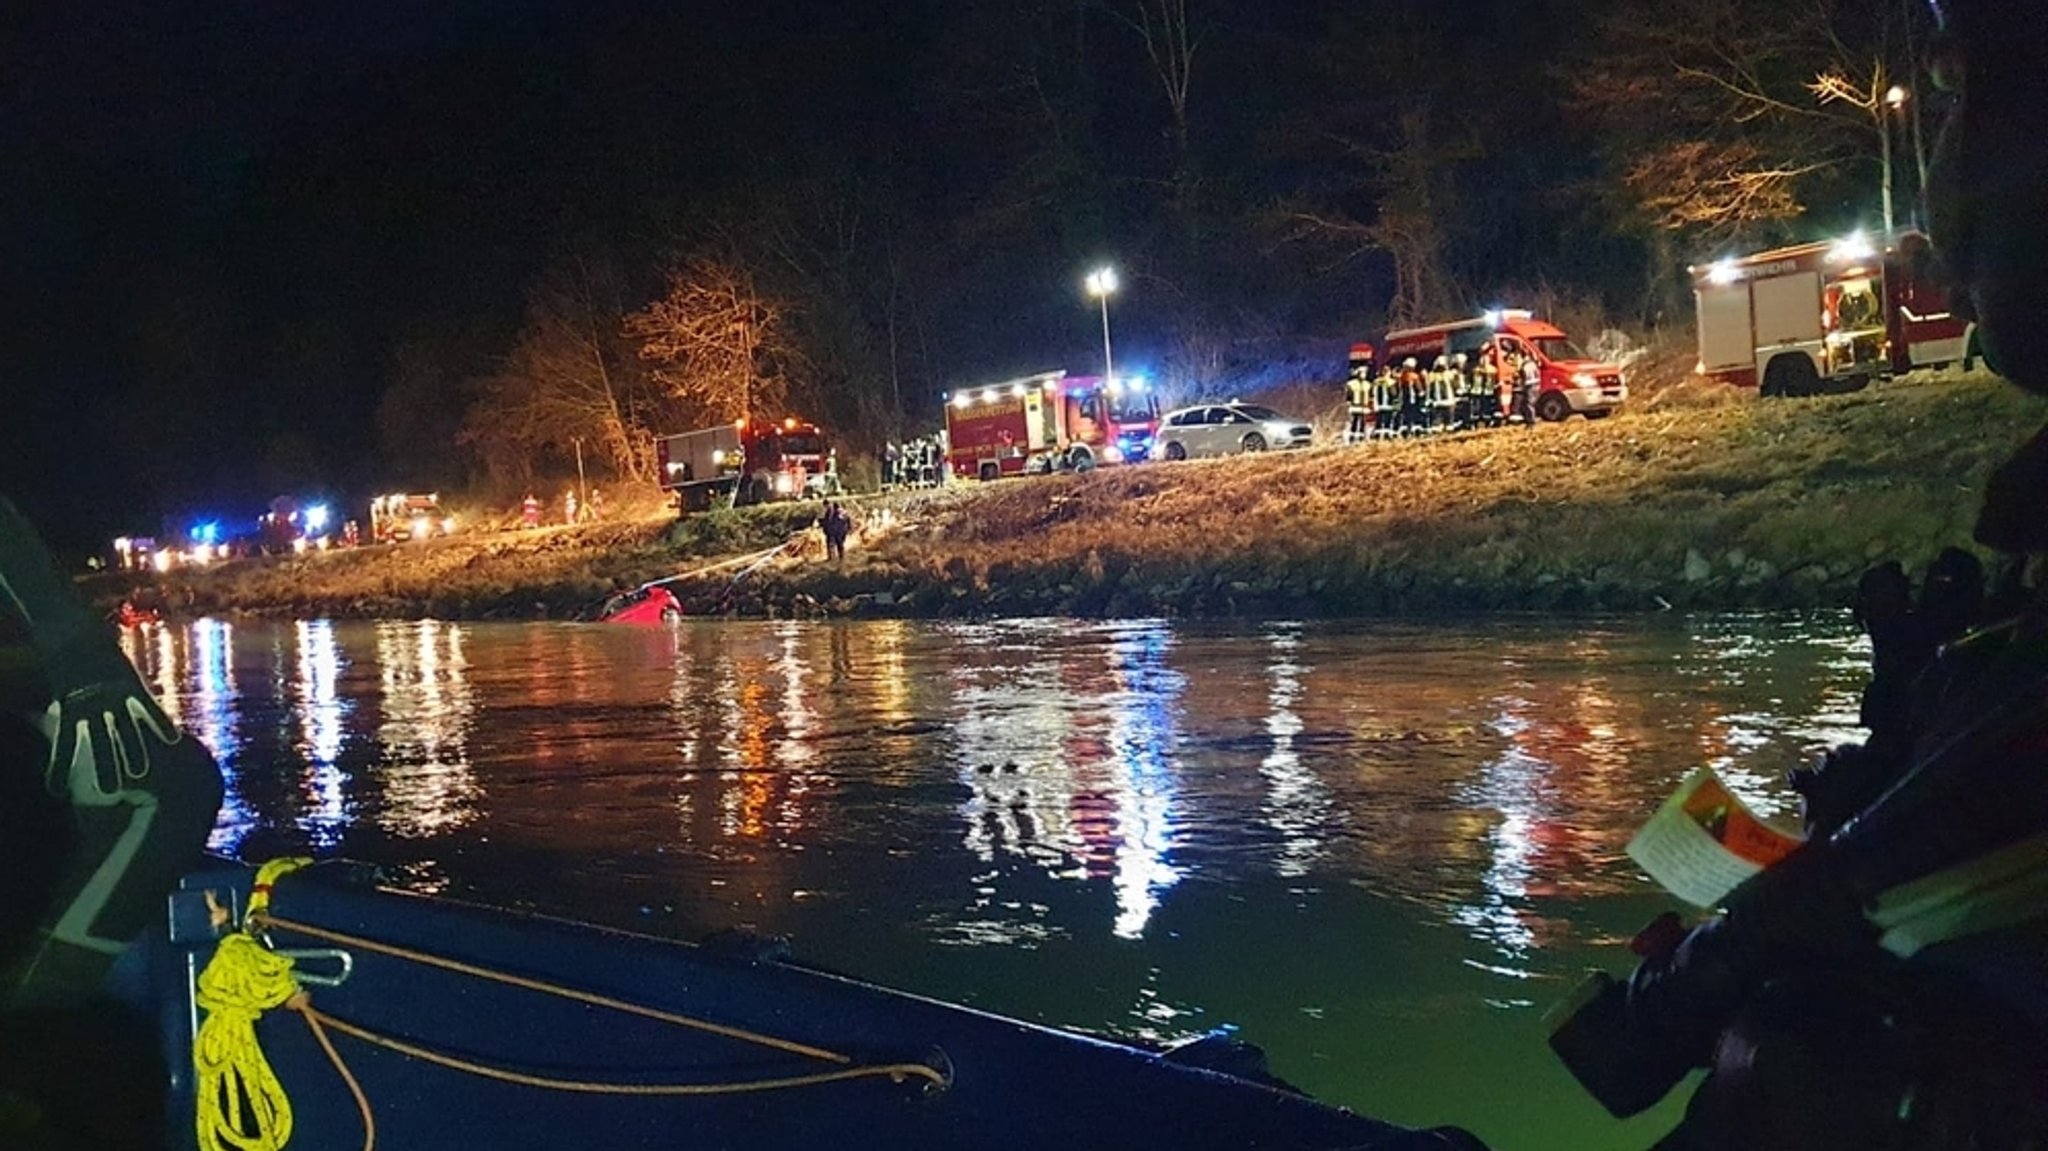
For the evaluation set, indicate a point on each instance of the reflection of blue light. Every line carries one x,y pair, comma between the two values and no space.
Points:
316,519
1141,731
206,533
212,644
321,711
1298,805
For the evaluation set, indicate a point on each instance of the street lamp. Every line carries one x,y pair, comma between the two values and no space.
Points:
1896,98
1101,282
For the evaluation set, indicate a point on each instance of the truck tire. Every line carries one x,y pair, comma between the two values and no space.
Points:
1790,376
757,492
989,472
1081,460
1175,450
1553,408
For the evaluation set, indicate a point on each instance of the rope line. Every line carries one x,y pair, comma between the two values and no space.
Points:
557,989
302,1004
895,1072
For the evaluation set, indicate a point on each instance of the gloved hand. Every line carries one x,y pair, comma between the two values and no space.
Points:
142,795
107,733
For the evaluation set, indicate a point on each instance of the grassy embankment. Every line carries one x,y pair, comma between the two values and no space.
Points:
1711,501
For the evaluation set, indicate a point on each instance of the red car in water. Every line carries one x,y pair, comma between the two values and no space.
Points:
642,605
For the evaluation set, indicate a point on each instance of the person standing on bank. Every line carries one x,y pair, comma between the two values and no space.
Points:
1529,376
837,525
1358,394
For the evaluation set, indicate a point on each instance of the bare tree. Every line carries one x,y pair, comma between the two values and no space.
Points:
1407,181
569,378
1726,114
1170,43
718,343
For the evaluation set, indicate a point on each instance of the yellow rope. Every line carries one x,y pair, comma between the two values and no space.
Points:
242,1105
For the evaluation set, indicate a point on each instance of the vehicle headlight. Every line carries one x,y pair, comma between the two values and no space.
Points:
419,527
448,526
784,484
1585,380
1112,453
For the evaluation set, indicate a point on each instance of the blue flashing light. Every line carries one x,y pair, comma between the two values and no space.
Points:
316,519
206,533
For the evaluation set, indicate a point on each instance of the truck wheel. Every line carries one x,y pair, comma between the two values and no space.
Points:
1255,443
757,492
1175,450
1082,460
1552,407
1790,376
989,473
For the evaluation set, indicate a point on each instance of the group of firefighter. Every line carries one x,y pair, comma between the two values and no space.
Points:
919,463
1454,393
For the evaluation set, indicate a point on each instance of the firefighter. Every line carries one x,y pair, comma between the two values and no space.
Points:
1528,377
569,508
529,511
1411,398
1461,386
891,460
1386,403
1486,388
1443,396
1358,394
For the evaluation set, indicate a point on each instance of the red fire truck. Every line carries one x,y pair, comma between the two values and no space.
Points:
749,463
1825,316
1570,381
1047,422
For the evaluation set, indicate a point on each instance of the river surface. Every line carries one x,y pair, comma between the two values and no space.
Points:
1380,851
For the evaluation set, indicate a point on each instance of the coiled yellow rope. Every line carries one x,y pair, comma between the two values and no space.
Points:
242,1105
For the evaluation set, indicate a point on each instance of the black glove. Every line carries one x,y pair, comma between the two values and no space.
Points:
143,796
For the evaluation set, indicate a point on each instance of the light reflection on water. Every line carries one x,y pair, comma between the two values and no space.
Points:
1379,849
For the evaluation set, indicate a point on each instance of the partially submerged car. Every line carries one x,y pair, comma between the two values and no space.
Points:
1224,429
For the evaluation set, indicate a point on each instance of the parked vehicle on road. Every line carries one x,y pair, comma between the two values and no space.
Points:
405,516
1048,422
1571,382
746,463
1825,317
1225,429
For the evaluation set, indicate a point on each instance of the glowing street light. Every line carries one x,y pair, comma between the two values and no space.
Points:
1101,282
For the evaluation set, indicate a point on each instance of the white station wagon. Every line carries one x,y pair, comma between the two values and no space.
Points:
1223,429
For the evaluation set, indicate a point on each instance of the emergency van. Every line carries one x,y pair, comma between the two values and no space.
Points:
1571,382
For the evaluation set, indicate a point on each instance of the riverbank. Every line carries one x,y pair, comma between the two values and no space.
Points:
1712,501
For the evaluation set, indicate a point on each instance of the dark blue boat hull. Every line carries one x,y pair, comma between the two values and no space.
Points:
1012,1085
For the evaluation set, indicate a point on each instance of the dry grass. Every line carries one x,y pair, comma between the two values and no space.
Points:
1785,501
1782,502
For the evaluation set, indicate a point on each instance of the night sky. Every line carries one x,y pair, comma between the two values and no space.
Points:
227,227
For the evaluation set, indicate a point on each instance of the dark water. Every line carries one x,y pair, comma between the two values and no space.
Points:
1382,852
